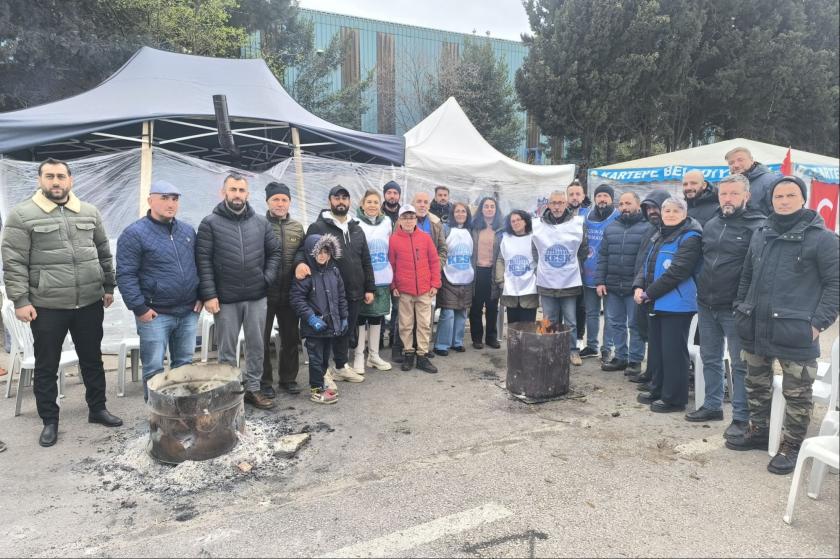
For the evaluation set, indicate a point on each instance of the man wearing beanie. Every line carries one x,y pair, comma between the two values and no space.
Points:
391,193
600,215
289,232
789,292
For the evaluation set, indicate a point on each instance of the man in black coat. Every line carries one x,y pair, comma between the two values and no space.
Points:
700,196
238,257
614,278
356,272
726,238
789,293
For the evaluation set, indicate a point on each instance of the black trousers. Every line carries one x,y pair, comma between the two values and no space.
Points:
318,350
518,314
481,299
48,332
580,317
342,344
668,357
395,323
287,325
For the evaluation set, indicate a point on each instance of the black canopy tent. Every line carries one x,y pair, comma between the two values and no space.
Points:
164,99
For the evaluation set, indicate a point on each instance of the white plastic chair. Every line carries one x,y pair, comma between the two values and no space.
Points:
824,449
207,327
240,342
24,356
118,318
823,391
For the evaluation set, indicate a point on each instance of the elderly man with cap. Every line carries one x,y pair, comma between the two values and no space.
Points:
600,215
789,292
356,272
158,281
290,234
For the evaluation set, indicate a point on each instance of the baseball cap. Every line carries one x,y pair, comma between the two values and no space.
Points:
408,208
164,187
338,189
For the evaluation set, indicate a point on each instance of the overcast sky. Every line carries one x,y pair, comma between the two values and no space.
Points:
505,19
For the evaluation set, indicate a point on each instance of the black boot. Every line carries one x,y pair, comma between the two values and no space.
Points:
633,368
425,365
49,435
396,354
407,362
785,460
753,439
104,417
615,365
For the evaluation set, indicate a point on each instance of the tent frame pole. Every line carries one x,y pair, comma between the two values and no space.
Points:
146,165
299,175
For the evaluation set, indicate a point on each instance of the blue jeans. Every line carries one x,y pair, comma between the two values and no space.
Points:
166,330
555,308
450,329
714,325
621,316
593,320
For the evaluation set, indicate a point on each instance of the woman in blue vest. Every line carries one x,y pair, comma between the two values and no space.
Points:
665,287
456,290
516,269
377,228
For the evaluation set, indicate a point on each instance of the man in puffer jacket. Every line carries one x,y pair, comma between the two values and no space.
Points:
238,257
416,266
159,282
701,197
789,293
614,278
59,275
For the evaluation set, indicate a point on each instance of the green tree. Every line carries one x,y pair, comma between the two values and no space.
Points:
479,81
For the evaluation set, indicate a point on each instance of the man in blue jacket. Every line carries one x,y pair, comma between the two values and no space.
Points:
158,280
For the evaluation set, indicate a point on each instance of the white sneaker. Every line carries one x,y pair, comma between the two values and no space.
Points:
329,382
347,374
378,363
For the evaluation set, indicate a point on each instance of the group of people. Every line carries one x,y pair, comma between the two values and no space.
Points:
759,269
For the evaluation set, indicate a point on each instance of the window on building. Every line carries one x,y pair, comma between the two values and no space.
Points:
385,84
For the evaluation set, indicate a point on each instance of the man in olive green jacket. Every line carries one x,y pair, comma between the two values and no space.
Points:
59,274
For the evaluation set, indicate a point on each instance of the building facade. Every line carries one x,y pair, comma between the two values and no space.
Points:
398,56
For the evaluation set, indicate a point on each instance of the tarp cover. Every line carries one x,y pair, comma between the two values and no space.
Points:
709,159
447,148
158,84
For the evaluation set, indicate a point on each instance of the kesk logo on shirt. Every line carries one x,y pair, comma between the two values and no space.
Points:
519,265
557,256
378,254
459,256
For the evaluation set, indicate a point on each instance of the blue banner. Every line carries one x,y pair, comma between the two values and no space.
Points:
712,174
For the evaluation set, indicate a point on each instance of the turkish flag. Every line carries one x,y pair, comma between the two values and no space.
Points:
787,165
824,199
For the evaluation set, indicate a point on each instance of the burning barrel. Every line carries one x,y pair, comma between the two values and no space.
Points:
196,412
538,361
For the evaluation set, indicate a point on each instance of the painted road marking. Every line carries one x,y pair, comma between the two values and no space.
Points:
387,546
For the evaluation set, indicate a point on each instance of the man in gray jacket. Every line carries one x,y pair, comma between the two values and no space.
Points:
60,276
740,161
238,257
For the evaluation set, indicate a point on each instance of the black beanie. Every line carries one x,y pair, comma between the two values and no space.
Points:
391,185
607,189
796,180
273,188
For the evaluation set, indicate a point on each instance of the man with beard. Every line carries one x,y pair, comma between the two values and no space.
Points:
789,293
726,239
356,271
60,276
559,247
579,204
440,205
740,161
391,193
700,196
597,220
238,257
616,271
652,213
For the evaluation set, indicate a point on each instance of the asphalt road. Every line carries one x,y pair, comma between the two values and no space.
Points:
412,464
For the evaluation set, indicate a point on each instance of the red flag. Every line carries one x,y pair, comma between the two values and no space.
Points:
787,165
824,199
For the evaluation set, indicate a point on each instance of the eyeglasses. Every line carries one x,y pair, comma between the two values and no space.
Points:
408,217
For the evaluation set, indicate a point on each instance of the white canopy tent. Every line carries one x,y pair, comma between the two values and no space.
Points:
445,148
